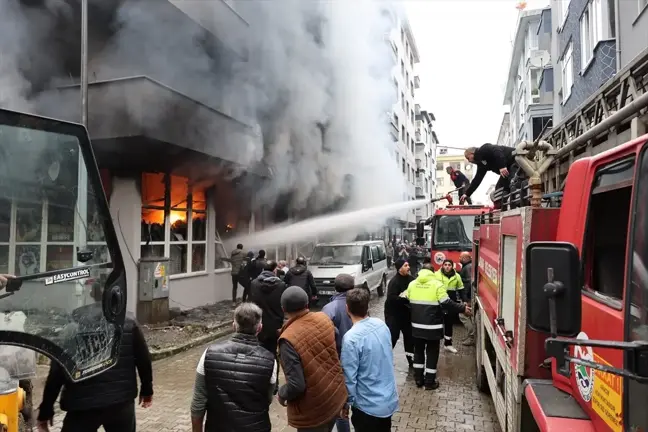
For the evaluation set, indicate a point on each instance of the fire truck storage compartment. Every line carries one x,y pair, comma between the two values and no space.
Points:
153,290
508,283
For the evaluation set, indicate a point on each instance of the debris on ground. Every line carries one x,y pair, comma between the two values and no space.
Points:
187,325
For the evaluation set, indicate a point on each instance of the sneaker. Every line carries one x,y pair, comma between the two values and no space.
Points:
451,349
433,386
468,342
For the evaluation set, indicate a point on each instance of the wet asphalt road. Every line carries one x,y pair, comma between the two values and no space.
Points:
456,406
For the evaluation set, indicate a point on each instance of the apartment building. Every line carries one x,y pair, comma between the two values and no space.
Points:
504,135
167,190
404,115
592,41
443,182
426,141
529,86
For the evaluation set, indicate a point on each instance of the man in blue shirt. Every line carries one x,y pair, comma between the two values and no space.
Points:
336,310
368,365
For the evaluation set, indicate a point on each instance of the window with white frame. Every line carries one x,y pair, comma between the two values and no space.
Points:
563,10
48,210
532,39
39,235
174,222
591,31
567,73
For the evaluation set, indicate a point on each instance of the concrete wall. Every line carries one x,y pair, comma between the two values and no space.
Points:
633,30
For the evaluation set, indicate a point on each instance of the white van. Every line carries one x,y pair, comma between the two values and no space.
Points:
366,261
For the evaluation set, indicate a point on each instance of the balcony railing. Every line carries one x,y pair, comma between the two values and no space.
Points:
419,193
417,137
417,109
393,131
417,82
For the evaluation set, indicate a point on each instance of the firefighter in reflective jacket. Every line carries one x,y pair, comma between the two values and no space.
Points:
428,299
454,285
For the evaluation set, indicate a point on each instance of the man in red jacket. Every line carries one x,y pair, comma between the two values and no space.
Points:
460,181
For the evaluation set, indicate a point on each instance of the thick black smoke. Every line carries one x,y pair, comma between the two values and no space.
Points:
313,78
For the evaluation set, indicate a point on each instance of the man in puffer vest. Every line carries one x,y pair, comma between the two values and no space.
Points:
428,300
105,400
315,392
454,286
235,380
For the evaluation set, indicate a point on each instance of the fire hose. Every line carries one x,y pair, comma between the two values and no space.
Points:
447,196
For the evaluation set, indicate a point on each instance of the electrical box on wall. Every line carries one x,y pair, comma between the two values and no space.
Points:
153,290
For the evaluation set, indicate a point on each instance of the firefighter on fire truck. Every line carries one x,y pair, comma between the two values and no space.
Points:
460,181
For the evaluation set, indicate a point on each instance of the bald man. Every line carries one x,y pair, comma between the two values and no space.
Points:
466,277
489,157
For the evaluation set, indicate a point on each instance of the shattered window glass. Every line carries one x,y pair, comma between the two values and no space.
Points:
48,215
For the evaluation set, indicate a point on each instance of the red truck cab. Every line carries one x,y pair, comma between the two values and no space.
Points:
561,311
452,233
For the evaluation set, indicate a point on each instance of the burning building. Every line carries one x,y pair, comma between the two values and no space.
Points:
208,118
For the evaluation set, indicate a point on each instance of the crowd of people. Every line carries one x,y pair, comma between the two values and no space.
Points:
337,363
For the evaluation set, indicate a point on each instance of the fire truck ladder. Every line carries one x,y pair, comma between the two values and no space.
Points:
620,104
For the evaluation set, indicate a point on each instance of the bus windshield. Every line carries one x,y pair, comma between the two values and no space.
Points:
453,232
54,225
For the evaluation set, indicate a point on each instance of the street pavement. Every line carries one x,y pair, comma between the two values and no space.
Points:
456,406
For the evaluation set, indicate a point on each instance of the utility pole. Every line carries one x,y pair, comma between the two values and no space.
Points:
84,62
81,216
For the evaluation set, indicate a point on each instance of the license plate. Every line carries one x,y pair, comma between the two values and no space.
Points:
326,292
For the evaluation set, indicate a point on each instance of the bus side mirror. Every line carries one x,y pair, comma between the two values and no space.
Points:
420,233
553,288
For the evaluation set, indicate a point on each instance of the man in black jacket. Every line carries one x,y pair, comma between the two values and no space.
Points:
235,380
397,311
266,292
257,265
494,158
466,276
107,399
302,277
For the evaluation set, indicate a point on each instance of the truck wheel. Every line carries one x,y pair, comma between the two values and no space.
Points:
480,377
381,287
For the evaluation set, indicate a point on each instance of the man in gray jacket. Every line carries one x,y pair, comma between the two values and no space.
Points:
336,310
236,259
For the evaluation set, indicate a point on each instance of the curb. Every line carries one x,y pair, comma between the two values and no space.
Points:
219,331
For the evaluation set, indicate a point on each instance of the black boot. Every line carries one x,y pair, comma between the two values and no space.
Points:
418,377
432,385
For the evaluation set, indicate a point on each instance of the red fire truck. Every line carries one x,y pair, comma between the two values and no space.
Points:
451,232
560,298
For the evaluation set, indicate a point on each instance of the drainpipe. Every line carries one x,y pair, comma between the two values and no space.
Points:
617,34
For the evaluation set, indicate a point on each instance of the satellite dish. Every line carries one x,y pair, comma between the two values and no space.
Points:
539,59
